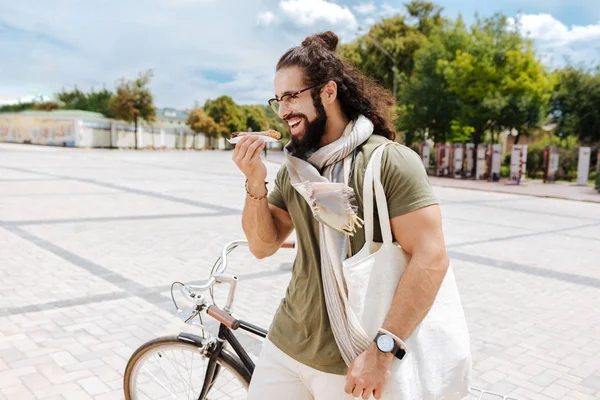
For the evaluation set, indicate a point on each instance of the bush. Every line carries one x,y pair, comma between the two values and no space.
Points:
535,160
568,153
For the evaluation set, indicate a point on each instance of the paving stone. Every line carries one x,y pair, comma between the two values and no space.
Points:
93,385
87,258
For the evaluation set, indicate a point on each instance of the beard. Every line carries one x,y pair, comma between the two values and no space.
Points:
313,132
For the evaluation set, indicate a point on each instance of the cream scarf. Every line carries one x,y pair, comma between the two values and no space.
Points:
329,197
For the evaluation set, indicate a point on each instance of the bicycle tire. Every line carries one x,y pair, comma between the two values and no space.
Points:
226,360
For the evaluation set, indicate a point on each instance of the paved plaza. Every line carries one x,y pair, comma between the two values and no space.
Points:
91,240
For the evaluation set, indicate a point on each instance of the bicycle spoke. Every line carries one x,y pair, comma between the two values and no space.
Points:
157,361
160,383
168,373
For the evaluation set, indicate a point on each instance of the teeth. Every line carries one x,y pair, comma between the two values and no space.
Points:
293,124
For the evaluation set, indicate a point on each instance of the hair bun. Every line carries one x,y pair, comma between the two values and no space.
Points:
328,39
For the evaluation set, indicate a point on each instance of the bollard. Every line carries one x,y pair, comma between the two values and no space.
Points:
520,174
598,172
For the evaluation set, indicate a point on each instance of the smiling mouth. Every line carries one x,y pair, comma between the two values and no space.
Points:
295,124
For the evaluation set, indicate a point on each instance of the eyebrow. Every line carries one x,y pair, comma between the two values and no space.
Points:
286,93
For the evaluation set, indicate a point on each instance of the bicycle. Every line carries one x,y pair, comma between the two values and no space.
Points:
223,374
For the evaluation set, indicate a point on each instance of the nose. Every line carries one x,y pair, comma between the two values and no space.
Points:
284,110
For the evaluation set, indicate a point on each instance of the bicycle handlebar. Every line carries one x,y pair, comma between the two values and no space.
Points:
217,276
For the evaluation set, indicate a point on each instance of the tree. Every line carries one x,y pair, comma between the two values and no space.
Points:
575,104
46,106
256,117
428,108
225,112
497,79
399,37
92,101
10,108
200,122
133,101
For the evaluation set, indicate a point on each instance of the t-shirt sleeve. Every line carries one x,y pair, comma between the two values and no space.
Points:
276,195
405,182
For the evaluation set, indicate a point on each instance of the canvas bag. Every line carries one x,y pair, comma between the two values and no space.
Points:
437,365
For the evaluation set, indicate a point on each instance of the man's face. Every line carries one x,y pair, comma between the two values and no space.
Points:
305,120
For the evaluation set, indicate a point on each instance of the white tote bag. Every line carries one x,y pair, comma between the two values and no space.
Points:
437,365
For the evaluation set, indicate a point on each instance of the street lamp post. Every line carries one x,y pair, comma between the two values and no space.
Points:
387,53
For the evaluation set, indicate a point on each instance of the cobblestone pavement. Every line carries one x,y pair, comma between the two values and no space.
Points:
530,187
90,241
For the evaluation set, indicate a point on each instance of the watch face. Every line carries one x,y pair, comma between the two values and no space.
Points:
385,343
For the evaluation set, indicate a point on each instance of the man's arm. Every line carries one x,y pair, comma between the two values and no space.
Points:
419,233
266,226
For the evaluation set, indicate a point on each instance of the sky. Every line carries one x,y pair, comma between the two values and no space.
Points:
201,49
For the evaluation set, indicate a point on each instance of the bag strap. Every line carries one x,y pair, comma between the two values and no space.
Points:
373,178
382,209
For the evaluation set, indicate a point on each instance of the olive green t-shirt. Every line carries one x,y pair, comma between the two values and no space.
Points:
301,326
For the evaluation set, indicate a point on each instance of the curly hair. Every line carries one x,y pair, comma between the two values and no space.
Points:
357,94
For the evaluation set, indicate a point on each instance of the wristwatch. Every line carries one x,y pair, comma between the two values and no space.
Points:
386,344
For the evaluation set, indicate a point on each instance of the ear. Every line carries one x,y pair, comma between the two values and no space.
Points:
329,92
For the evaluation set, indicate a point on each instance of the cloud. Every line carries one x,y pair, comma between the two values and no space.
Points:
558,43
266,18
50,46
198,49
547,28
311,12
365,8
389,10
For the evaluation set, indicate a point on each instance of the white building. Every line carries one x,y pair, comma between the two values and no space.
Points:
76,128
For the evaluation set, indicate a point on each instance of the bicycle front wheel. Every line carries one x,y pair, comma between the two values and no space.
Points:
170,368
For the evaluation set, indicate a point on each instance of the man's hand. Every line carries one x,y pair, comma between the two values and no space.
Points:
247,157
369,373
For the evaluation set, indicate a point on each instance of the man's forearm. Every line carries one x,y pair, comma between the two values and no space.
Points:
257,222
416,293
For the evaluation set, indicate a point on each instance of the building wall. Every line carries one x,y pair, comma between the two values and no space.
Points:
44,131
79,132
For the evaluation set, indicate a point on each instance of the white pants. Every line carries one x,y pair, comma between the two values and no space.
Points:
278,376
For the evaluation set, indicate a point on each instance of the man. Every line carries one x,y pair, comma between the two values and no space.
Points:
336,118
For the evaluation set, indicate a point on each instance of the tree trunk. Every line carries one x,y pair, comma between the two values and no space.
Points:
135,133
477,137
517,137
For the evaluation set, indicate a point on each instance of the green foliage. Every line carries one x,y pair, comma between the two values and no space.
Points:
460,133
227,114
455,82
133,101
427,106
497,79
92,101
11,108
575,104
200,122
567,158
398,37
256,117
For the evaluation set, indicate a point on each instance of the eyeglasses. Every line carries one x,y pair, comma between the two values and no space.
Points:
290,100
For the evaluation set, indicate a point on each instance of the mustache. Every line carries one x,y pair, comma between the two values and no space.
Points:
292,116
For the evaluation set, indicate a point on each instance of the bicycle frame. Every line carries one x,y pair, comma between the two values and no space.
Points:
224,336
227,324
